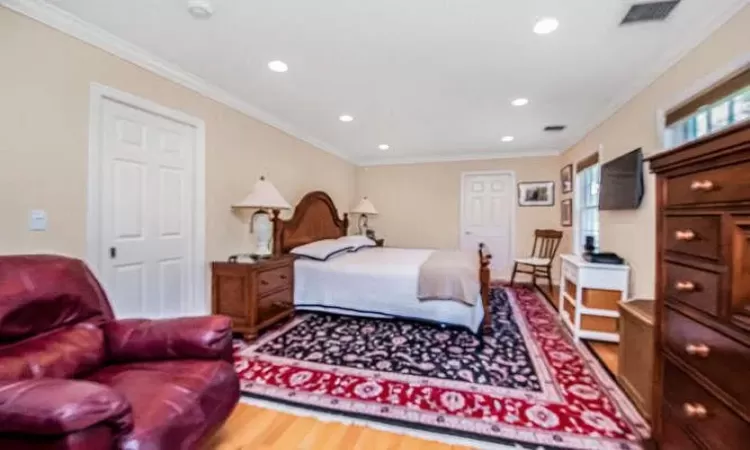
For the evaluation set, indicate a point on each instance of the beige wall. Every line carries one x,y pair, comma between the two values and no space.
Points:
44,117
44,94
419,203
632,233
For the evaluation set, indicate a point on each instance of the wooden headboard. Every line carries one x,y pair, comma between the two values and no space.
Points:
315,218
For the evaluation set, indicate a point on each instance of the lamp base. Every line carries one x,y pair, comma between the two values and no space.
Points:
263,229
362,224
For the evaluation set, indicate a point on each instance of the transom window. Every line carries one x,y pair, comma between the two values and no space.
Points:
723,105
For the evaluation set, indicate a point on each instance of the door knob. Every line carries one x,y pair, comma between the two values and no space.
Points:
113,252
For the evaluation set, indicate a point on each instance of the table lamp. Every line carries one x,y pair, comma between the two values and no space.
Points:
364,208
263,197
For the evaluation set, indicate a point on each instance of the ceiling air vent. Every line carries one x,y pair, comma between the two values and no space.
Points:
554,128
649,11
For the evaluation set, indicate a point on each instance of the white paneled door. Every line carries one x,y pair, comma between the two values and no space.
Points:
146,206
488,212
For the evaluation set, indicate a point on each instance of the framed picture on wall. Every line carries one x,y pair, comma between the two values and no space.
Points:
566,212
566,179
536,193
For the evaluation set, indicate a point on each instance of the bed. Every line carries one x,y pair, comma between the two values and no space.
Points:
378,282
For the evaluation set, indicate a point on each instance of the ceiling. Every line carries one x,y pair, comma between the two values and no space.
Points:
433,79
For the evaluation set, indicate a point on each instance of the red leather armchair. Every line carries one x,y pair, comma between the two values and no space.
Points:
73,377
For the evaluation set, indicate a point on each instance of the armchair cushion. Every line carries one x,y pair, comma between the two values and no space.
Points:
190,337
51,406
64,353
44,292
173,401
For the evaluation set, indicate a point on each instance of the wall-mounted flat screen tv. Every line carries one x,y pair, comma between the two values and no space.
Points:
621,182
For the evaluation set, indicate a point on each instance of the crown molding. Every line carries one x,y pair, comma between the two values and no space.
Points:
455,157
687,43
76,27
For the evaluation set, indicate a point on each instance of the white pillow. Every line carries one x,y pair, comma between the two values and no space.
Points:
322,250
357,241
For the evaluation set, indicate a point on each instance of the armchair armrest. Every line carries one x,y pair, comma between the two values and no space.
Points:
54,406
208,337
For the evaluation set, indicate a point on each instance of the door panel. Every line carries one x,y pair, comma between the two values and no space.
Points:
171,279
128,204
146,205
170,213
487,216
129,282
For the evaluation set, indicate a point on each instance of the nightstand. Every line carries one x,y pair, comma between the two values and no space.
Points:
254,295
379,242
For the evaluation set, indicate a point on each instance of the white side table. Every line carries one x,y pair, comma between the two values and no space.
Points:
589,297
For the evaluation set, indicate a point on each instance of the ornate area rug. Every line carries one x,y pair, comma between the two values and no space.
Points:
527,384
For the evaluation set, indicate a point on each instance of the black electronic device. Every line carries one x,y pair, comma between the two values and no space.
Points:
603,258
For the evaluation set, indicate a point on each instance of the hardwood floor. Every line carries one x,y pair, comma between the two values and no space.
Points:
250,427
606,351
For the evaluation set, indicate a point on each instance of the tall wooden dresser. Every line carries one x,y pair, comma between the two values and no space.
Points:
702,375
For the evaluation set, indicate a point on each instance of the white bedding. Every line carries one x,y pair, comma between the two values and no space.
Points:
376,282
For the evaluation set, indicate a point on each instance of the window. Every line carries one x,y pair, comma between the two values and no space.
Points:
587,201
723,105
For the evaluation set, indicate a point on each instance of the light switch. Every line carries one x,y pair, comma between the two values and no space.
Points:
38,220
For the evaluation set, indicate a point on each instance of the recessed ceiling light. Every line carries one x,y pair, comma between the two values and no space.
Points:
200,9
384,147
546,25
278,66
346,118
507,138
520,102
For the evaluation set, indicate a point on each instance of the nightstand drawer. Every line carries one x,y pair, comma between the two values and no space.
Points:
271,305
274,279
255,295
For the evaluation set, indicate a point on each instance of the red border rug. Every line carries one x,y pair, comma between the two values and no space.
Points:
525,384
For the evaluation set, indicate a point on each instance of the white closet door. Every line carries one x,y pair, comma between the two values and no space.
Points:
147,178
488,209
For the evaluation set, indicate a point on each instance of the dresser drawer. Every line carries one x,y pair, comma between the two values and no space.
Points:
271,305
703,414
694,287
672,436
726,184
722,360
273,279
694,235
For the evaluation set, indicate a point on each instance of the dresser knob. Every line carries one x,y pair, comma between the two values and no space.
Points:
701,350
701,185
695,410
685,286
283,277
264,282
684,235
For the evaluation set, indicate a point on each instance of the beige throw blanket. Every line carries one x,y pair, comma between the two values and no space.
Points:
449,275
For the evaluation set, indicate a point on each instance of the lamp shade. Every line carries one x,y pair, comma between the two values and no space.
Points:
263,195
365,206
